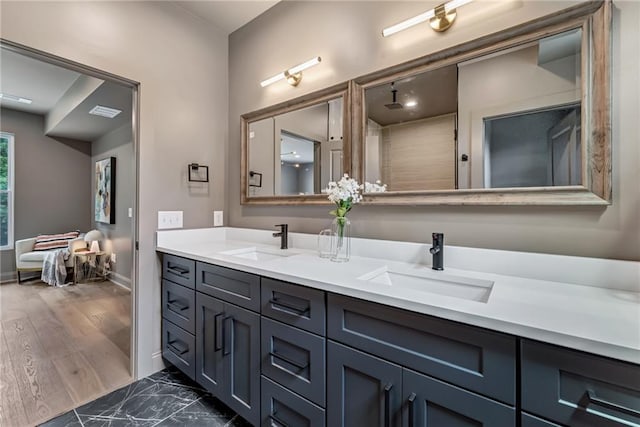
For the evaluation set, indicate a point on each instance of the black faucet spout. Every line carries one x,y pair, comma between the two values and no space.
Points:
283,234
437,250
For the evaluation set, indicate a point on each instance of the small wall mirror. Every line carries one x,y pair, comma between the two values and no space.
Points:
521,119
293,150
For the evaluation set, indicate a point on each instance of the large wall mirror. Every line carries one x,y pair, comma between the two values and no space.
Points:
519,117
293,150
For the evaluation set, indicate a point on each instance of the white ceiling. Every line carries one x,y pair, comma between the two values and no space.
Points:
29,78
227,15
47,85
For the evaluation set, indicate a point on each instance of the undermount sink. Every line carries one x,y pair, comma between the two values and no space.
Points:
258,254
431,281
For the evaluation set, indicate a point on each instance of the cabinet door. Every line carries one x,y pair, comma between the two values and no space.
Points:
241,353
433,403
364,390
210,316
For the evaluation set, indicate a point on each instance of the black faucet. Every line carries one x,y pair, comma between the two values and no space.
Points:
437,250
283,234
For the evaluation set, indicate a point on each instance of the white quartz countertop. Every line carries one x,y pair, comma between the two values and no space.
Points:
591,317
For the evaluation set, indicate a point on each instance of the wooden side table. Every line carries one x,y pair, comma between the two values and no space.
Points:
88,265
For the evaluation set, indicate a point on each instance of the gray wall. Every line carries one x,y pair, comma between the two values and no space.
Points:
321,28
119,236
52,184
181,63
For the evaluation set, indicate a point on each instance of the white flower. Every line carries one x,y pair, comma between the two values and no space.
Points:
377,187
343,190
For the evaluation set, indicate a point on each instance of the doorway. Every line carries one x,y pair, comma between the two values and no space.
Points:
74,165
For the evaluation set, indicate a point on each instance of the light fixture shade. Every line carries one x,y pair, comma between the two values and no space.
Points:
95,246
445,10
293,74
93,235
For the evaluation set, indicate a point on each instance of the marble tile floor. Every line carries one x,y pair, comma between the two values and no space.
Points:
166,398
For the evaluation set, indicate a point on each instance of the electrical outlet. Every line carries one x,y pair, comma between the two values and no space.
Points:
113,258
169,219
218,218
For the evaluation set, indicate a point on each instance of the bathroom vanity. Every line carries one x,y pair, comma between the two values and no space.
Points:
286,338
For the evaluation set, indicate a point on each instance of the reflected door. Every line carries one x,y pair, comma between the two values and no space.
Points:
565,151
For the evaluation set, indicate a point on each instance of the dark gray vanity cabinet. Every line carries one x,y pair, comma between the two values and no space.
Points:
429,402
578,389
178,313
228,354
364,390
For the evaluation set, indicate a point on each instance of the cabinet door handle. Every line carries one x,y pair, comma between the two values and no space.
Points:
387,405
298,310
218,338
592,398
226,349
412,400
177,305
278,422
178,347
289,361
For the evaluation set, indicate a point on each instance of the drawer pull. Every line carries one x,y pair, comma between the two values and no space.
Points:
178,347
412,401
387,405
177,305
289,361
176,269
592,398
300,311
275,421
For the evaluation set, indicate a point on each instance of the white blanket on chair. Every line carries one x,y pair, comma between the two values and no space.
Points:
54,272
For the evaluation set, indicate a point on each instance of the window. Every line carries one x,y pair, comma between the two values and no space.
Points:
6,190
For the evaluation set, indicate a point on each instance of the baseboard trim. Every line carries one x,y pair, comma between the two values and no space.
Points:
120,280
157,362
10,276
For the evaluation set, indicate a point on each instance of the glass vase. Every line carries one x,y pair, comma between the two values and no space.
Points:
340,239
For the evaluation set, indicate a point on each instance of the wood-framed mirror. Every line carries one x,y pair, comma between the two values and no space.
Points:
292,150
517,117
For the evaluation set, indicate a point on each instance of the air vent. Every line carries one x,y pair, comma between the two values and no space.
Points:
99,110
14,98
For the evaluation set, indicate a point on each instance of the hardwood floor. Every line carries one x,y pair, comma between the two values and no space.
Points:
60,347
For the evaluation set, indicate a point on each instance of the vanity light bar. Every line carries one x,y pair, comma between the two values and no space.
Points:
292,72
14,98
423,17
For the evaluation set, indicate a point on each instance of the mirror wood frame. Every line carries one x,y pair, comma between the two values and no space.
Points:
341,90
594,18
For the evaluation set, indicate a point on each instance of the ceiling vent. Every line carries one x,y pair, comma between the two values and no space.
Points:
99,110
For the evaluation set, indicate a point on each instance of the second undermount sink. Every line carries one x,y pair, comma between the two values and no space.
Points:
429,281
258,254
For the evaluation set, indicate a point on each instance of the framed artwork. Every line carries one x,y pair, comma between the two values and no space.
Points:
105,191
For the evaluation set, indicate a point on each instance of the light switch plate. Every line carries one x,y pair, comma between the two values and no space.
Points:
113,257
218,218
130,212
169,219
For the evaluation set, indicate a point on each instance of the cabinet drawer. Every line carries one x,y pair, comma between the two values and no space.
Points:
579,389
433,403
179,270
229,285
178,305
531,421
282,408
295,359
178,347
470,357
295,305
